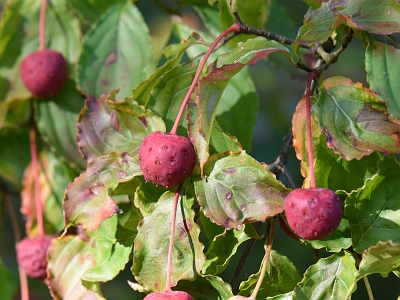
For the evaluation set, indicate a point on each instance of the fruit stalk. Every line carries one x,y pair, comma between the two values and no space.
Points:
266,258
36,174
233,28
42,25
172,239
311,77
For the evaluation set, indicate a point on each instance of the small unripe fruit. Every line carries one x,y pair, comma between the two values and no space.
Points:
314,213
44,72
166,159
173,295
32,255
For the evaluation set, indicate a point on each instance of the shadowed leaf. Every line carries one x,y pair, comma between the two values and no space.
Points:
152,242
373,210
237,189
86,199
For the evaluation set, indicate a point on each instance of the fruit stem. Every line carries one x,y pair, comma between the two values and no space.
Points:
172,238
36,174
266,258
233,28
368,287
24,287
311,77
42,25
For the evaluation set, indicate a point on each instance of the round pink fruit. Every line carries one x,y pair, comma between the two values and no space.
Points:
166,159
313,214
173,295
44,72
32,255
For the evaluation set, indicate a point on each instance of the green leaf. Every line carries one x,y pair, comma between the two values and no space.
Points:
355,120
152,242
373,210
86,199
56,121
116,52
168,93
222,248
141,92
206,287
105,126
281,277
90,10
382,258
9,283
236,189
340,239
113,247
382,73
68,259
329,278
14,156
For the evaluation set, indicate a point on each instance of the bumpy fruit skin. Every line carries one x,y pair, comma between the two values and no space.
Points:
313,214
44,72
32,255
173,295
166,159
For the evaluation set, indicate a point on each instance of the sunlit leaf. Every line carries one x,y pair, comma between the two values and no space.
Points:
331,171
56,121
355,120
152,242
329,278
382,73
222,248
107,126
321,23
87,201
113,247
382,258
69,258
281,277
237,189
373,210
116,52
206,287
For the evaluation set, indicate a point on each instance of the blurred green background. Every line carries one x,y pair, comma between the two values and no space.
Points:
279,94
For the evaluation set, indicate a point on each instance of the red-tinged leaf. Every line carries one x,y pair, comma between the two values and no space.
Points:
321,23
68,259
106,126
152,242
237,190
383,74
87,201
355,120
299,129
54,176
211,87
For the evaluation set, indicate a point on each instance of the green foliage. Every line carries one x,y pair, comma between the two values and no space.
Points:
123,86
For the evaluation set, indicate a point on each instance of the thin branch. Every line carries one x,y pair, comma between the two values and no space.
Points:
368,287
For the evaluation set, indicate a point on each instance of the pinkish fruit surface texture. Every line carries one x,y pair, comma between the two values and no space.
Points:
44,73
166,159
313,213
173,295
32,255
